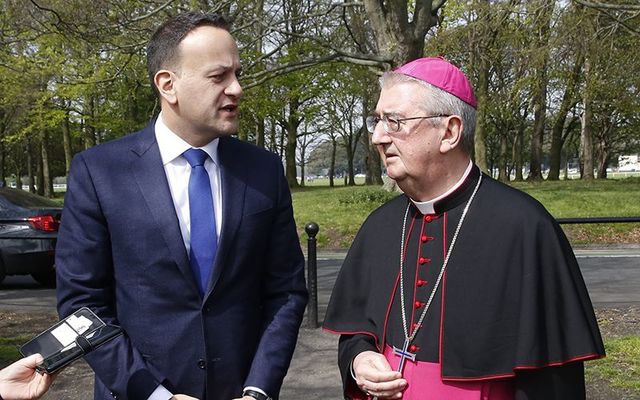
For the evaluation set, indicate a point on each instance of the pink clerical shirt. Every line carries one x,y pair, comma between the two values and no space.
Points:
425,383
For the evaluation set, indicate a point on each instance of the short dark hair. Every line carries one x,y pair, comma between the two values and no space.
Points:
162,50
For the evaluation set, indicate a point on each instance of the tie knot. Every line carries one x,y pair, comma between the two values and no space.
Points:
195,157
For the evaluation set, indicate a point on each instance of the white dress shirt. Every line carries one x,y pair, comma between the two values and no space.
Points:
178,171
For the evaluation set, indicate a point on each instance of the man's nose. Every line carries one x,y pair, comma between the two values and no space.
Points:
234,89
379,135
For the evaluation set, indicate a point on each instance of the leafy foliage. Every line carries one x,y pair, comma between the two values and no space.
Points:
73,75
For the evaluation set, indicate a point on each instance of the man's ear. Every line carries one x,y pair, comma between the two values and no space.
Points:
452,135
165,83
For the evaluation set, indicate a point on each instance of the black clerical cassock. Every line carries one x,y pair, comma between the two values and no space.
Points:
511,303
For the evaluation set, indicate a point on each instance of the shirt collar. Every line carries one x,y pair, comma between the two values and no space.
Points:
172,146
428,207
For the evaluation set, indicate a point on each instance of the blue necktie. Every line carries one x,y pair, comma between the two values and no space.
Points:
204,240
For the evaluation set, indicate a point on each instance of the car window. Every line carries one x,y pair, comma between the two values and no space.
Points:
22,198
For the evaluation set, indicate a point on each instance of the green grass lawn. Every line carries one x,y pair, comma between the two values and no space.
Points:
340,211
9,348
621,366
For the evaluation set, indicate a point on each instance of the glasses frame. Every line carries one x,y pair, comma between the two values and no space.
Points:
373,120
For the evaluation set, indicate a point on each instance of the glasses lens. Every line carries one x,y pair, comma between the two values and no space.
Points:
372,122
391,125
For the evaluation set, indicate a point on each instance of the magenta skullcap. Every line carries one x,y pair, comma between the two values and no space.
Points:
442,74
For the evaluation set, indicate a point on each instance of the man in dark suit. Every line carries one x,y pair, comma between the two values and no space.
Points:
185,237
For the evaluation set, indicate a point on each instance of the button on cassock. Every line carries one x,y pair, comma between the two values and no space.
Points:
421,282
202,364
423,260
418,304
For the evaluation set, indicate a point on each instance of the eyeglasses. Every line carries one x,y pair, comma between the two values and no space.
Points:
391,124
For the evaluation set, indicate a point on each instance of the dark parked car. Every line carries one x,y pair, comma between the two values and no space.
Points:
28,230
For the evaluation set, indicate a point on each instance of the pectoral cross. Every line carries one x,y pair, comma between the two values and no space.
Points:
404,354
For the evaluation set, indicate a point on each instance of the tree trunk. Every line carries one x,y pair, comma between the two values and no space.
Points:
47,181
292,135
332,164
603,161
397,38
375,164
537,136
303,150
18,175
281,148
603,151
90,130
480,148
66,143
503,173
586,140
260,133
259,10
352,144
568,101
31,175
351,179
273,142
368,179
372,163
39,173
543,12
290,158
518,161
3,181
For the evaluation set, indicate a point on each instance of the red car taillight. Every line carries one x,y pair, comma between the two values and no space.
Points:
45,223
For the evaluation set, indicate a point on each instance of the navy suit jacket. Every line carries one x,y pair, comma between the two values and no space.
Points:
120,253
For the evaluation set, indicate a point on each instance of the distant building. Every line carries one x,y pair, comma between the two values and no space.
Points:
629,163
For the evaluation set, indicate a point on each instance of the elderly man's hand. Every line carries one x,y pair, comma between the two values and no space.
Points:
182,397
374,376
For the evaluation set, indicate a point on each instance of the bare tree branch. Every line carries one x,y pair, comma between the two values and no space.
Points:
150,13
616,12
618,7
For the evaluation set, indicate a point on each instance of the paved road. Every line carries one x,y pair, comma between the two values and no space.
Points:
612,277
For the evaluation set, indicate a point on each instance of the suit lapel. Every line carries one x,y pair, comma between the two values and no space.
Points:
232,172
149,175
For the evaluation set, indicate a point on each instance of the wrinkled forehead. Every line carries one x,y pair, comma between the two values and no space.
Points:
400,97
